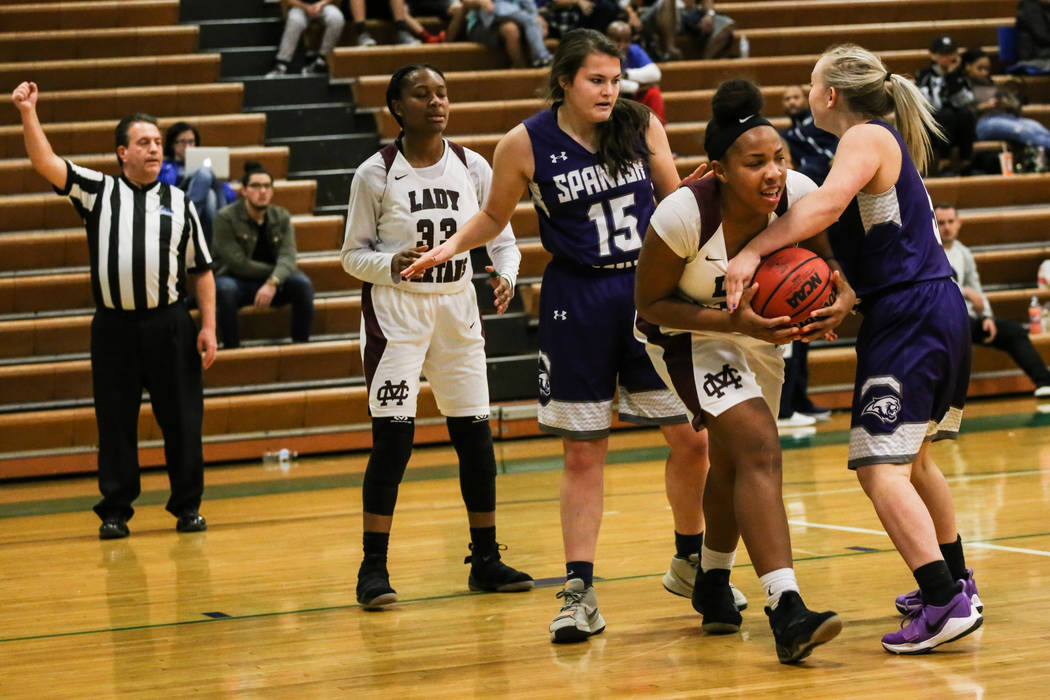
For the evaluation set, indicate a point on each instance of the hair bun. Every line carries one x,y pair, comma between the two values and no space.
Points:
735,100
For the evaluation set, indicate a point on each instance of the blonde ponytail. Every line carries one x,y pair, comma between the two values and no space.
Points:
862,79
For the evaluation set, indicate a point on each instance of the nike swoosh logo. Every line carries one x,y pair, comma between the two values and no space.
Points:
398,177
708,258
745,118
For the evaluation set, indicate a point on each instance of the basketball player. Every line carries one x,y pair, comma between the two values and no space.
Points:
404,200
591,164
727,368
913,349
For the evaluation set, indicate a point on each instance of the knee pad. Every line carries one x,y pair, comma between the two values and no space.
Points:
391,448
472,438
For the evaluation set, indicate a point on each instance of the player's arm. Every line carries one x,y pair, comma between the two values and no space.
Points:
661,163
38,147
512,168
857,161
656,281
823,322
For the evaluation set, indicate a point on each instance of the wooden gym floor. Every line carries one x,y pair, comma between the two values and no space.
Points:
262,605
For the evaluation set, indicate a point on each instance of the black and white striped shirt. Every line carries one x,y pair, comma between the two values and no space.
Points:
142,240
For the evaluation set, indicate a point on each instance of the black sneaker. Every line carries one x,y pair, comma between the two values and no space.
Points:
713,598
797,629
191,521
488,573
113,529
373,585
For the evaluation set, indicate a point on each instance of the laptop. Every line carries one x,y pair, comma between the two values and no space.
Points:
218,158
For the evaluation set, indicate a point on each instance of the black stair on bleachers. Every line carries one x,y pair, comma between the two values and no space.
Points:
327,138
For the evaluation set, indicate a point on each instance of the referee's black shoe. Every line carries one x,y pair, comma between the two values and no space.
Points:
191,521
488,573
113,529
373,584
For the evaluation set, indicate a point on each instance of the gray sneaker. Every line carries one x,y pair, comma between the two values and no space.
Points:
681,576
365,39
404,37
579,617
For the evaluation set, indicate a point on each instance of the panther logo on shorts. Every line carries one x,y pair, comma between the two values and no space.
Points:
885,408
544,372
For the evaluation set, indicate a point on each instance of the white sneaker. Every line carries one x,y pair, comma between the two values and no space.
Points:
579,617
796,420
681,577
279,69
365,39
404,37
1042,392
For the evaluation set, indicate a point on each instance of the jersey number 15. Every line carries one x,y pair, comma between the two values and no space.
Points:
611,216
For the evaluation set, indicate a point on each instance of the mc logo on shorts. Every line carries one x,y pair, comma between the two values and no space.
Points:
716,384
391,392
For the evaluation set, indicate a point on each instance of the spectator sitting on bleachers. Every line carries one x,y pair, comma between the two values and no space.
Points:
641,77
451,10
299,14
663,21
255,260
1033,34
207,192
999,114
811,148
797,410
1000,333
514,24
563,16
944,85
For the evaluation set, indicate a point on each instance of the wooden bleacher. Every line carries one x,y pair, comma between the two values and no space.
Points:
98,61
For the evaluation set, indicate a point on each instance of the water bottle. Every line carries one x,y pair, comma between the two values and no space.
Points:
1035,317
280,459
744,47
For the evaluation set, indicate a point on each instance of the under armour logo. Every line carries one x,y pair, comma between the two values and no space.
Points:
715,384
885,408
555,157
389,392
560,315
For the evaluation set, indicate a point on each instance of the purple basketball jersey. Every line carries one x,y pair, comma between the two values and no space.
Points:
586,215
890,239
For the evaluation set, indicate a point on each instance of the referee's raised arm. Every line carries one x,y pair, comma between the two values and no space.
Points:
38,148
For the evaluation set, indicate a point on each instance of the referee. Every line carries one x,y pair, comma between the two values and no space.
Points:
143,237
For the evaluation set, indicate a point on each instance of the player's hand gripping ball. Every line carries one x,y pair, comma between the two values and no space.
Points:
792,282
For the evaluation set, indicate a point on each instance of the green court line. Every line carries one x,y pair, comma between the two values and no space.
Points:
330,608
449,596
529,464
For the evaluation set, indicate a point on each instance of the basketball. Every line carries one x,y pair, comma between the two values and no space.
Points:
792,282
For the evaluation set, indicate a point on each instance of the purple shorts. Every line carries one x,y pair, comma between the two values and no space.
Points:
588,352
913,370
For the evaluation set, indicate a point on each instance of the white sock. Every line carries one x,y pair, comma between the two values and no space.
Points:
775,583
710,559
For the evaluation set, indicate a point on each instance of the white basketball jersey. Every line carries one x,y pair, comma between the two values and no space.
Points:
413,207
689,221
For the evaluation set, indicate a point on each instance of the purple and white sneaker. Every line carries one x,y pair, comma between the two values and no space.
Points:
910,602
930,626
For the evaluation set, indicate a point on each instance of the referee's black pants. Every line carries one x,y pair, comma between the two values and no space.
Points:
154,349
